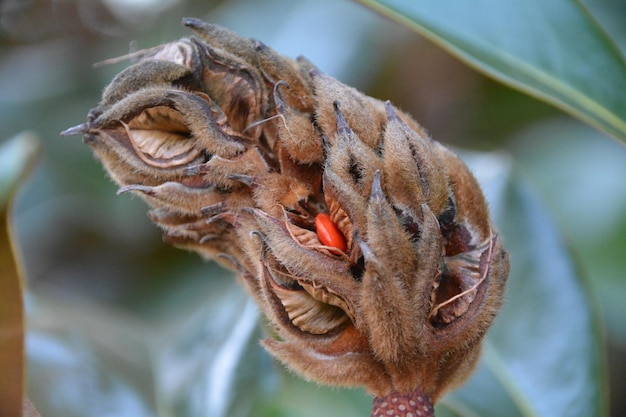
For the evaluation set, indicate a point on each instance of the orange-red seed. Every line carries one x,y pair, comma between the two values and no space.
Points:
328,233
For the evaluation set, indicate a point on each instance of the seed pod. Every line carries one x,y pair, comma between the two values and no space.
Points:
367,244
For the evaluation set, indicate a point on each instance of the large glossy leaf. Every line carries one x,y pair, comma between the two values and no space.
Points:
543,356
555,50
581,174
15,158
196,354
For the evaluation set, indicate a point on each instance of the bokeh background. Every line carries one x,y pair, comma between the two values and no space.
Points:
95,264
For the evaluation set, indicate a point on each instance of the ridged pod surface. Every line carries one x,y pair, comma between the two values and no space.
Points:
367,244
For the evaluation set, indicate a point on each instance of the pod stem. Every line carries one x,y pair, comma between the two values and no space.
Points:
413,404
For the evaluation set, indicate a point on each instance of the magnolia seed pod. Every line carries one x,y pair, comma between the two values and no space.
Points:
367,244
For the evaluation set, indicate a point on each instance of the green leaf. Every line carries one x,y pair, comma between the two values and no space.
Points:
209,362
543,356
196,354
554,50
581,175
15,159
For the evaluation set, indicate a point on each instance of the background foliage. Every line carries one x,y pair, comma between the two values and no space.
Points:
120,324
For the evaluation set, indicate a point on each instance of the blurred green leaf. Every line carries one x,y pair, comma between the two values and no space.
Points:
580,173
544,354
196,355
16,156
554,50
299,398
209,360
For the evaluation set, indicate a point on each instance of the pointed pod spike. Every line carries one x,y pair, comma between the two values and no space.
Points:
280,104
391,112
325,144
249,180
315,72
205,30
258,45
76,130
232,260
213,209
256,233
250,210
216,218
368,253
207,238
137,187
377,193
281,82
193,23
202,168
342,123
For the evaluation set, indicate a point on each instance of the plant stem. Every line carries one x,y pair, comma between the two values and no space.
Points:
413,404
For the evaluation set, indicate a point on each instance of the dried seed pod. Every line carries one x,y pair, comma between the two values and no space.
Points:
367,244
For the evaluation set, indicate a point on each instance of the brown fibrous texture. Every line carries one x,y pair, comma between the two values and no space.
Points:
237,149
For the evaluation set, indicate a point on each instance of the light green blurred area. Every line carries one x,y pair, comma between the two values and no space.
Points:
117,316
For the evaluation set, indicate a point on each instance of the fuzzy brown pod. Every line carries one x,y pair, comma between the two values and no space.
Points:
367,244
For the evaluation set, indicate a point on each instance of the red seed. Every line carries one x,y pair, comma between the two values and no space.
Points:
328,233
